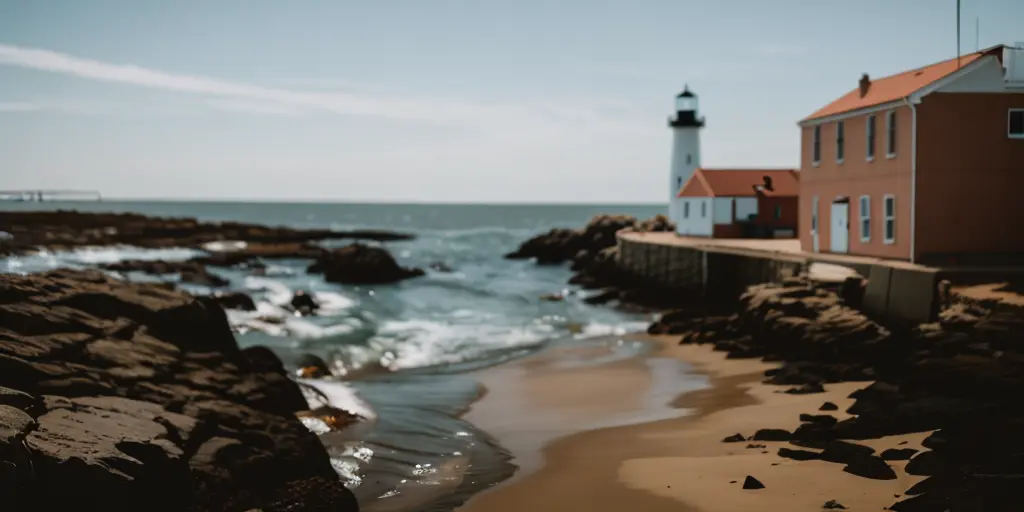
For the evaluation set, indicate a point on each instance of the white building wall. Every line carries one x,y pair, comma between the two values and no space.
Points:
685,160
722,210
745,207
699,220
989,76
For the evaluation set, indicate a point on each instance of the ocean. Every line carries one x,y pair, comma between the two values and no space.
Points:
411,344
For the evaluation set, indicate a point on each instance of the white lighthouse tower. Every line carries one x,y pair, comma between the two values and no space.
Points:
685,125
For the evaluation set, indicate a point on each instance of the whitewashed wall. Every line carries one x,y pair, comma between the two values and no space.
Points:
722,210
745,207
699,222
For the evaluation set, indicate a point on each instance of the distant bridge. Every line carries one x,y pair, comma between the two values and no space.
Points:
49,195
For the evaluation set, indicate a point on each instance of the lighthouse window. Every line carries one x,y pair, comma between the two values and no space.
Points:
689,159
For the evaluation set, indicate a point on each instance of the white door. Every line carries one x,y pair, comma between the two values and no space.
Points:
840,227
816,246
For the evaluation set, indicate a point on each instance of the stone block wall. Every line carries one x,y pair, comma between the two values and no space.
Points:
716,273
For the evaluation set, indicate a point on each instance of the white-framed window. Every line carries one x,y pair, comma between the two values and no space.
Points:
816,145
889,218
890,134
686,209
870,137
1015,123
865,218
814,215
703,209
840,141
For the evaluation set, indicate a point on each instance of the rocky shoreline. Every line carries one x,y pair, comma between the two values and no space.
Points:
592,253
121,396
960,377
67,229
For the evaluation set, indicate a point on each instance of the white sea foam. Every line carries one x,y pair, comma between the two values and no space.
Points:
332,302
597,329
90,256
342,396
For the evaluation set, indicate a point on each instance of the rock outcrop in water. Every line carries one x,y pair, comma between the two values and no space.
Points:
123,397
64,229
191,272
361,264
593,252
960,377
560,245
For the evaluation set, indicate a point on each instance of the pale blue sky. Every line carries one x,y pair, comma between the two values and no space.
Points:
440,100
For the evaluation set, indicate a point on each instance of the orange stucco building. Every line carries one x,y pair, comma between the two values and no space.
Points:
925,165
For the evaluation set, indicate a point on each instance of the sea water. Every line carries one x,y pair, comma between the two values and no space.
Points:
404,349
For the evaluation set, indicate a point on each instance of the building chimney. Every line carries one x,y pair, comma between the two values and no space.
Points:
865,84
768,183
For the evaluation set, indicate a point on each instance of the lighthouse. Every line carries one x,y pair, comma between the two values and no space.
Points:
685,124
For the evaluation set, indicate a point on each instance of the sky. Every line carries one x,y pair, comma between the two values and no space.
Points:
471,101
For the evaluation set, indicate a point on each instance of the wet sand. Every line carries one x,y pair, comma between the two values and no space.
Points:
595,437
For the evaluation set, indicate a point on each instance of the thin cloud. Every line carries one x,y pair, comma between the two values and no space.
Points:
430,110
254,107
64,106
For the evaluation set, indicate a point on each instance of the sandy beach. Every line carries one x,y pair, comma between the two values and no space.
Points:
559,422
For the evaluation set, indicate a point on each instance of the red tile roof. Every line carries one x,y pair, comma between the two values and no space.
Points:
898,86
740,183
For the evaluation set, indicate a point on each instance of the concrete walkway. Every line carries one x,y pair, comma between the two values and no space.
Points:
776,247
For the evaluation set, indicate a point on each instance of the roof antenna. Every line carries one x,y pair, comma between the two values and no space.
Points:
977,34
958,34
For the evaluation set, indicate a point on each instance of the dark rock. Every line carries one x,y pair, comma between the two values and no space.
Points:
752,483
134,380
67,228
925,463
192,272
898,454
14,425
304,303
828,406
772,434
752,445
845,452
825,420
313,366
870,467
806,389
833,505
790,453
17,399
361,264
261,359
109,450
735,438
235,300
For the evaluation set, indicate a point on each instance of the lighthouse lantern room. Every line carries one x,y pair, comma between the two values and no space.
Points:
685,124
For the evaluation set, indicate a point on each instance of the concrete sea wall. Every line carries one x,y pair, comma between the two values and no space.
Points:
714,272
893,293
